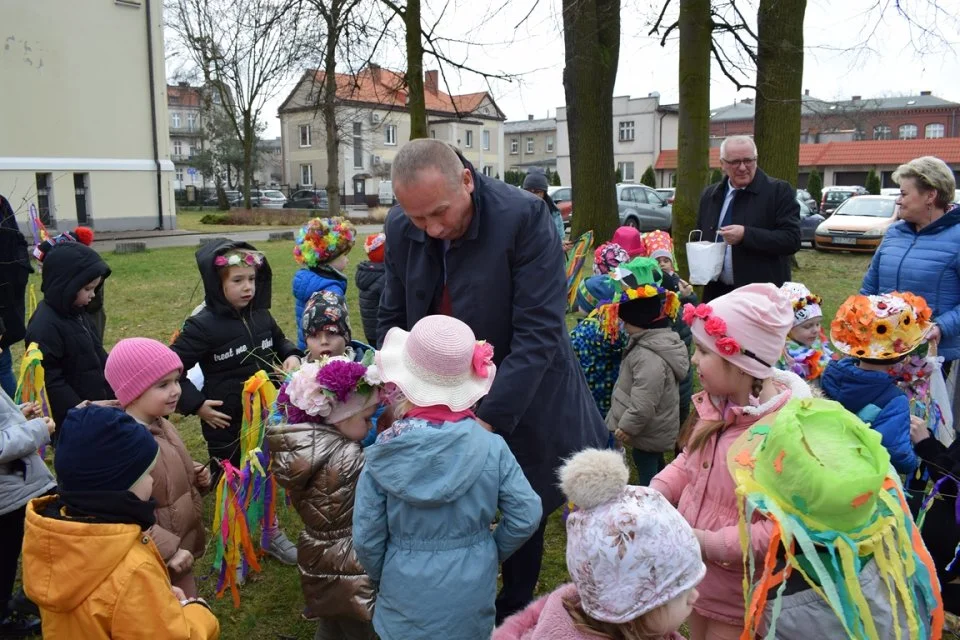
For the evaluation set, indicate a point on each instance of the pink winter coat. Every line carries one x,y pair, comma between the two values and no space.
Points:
547,619
701,487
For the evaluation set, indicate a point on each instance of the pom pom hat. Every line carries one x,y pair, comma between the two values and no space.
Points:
136,364
748,327
438,362
322,240
628,550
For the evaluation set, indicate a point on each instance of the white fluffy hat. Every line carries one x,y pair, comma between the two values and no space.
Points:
628,550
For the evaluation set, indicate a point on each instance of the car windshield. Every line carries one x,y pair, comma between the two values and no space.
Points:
273,194
872,207
838,196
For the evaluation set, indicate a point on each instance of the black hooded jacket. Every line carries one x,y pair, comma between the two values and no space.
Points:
13,275
73,355
370,285
229,345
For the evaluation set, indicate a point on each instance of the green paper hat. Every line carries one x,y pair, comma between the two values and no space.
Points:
638,272
816,460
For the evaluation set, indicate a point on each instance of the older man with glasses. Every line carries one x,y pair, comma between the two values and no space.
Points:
757,216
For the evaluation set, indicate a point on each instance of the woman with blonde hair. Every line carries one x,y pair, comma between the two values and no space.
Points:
919,253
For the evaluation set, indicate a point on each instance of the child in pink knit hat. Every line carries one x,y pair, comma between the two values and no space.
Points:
634,561
145,376
739,338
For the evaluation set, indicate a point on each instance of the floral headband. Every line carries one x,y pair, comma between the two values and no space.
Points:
806,300
609,315
716,327
240,259
312,392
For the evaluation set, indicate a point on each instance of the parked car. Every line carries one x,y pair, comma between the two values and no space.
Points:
265,199
668,194
858,224
809,221
804,196
834,196
308,199
563,198
890,191
233,197
642,208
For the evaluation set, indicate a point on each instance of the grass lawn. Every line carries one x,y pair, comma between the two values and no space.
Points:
150,294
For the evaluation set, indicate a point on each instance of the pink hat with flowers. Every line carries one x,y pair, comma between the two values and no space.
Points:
438,362
747,327
628,550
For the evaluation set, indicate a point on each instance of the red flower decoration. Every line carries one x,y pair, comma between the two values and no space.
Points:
728,346
688,313
703,310
715,326
482,358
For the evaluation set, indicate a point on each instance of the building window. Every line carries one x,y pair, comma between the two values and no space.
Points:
487,169
549,144
177,148
881,132
390,134
180,175
469,142
216,97
191,121
908,131
626,131
175,120
305,137
193,151
626,171
514,146
529,145
306,174
933,131
486,139
45,197
357,145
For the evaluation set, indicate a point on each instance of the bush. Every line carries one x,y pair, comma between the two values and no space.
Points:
649,178
815,185
715,176
215,218
254,217
514,177
873,183
556,180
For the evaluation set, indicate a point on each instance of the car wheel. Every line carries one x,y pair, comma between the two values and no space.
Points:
632,222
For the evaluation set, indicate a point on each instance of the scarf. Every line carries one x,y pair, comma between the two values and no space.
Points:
110,507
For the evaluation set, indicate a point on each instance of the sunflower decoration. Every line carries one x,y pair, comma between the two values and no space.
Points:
881,327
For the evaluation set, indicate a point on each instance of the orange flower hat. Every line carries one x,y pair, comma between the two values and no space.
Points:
882,327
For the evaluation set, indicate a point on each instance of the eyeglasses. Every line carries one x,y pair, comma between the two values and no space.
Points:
747,162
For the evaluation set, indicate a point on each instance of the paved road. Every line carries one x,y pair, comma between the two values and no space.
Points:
157,240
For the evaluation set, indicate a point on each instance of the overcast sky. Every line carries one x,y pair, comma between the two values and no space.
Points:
892,65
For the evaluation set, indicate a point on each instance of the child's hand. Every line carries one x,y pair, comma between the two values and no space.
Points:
291,364
30,410
918,430
178,592
622,436
181,562
203,475
51,425
107,403
211,416
685,289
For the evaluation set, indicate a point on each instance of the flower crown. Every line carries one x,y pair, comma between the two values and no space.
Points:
322,240
240,259
804,301
716,328
311,392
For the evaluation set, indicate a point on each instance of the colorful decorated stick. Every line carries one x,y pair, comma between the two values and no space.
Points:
575,258
31,387
39,231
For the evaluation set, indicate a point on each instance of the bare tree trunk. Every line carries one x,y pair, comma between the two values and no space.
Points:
591,33
779,86
417,100
248,142
329,108
693,144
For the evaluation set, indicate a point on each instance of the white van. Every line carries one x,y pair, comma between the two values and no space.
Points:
386,193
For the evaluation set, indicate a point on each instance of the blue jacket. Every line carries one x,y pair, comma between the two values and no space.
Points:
421,527
306,282
877,400
926,264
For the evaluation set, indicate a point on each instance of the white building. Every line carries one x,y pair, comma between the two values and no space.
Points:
84,121
642,128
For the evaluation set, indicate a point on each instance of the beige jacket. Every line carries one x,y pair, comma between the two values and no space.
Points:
320,468
646,398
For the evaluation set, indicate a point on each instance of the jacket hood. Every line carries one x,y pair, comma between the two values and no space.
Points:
430,466
213,289
949,218
668,345
86,554
852,386
306,282
368,273
67,268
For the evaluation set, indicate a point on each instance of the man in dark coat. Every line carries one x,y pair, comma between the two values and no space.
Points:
14,272
465,245
756,215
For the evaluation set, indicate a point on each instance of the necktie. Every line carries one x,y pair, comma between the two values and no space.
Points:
726,212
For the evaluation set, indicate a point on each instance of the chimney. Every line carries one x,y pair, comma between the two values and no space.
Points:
430,82
925,93
375,72
856,98
806,92
529,116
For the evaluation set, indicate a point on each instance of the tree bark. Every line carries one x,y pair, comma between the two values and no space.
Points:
328,107
417,103
693,144
591,33
248,142
779,86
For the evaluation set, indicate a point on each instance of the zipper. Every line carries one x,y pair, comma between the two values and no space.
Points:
902,259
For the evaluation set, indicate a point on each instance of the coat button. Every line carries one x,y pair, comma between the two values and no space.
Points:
145,540
706,465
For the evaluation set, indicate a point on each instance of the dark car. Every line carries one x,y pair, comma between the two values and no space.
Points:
308,199
233,197
833,197
809,221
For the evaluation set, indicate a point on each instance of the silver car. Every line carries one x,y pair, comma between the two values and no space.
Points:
643,208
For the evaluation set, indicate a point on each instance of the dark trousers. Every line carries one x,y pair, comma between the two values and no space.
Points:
716,289
648,464
520,573
11,540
